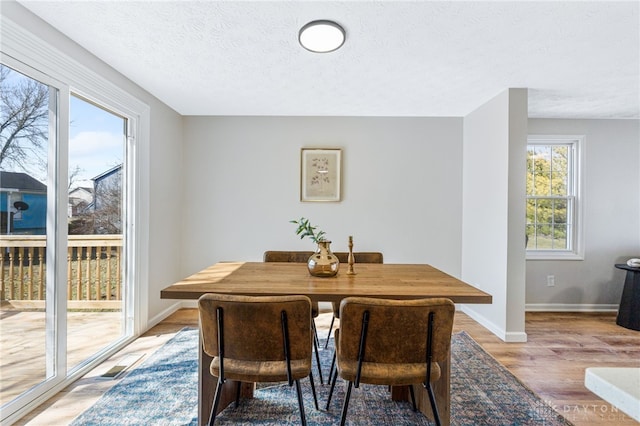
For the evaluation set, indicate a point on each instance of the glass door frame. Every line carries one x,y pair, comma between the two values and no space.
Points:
20,48
56,236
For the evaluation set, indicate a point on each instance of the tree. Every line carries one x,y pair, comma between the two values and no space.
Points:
74,175
547,191
105,216
24,122
108,204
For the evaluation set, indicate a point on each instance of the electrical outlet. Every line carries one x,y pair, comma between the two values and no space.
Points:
551,280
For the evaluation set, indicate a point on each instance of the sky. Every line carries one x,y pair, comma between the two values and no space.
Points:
96,140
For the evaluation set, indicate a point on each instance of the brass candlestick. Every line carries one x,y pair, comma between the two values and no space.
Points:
351,260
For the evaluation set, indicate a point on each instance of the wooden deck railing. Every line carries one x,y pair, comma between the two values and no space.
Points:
93,267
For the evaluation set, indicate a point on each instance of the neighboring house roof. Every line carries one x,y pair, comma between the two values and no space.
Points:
21,182
82,188
108,172
81,193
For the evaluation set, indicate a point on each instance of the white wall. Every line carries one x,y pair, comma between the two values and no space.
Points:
401,187
493,206
611,215
165,212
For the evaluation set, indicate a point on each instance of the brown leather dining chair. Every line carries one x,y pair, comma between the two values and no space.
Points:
287,256
359,257
275,347
299,257
392,342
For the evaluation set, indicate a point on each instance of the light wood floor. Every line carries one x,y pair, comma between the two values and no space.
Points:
552,362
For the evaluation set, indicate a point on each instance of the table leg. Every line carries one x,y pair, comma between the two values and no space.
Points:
207,388
441,389
629,310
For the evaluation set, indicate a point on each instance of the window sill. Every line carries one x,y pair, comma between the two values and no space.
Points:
553,255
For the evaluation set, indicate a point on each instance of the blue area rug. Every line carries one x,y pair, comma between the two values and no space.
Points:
164,391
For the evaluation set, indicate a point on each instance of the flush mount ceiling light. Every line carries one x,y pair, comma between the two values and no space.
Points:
321,36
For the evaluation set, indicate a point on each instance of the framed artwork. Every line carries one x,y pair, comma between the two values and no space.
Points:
320,174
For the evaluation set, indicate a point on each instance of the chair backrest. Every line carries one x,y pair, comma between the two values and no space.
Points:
360,256
303,256
397,330
287,256
252,326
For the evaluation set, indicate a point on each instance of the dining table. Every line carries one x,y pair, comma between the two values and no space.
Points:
385,280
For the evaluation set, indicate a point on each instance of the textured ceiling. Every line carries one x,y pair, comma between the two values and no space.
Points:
419,58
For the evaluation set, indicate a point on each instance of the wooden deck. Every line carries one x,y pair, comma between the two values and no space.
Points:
22,348
552,363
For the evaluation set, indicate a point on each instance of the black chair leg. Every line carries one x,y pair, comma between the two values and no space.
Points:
301,403
315,348
333,385
345,406
333,364
434,407
315,332
413,398
313,390
216,401
238,393
326,344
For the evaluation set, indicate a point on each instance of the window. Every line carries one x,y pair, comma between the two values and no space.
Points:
553,198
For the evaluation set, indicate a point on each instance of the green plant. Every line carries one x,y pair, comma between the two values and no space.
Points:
305,229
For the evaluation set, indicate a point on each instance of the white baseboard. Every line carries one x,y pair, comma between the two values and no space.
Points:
162,315
515,337
533,307
569,307
509,337
171,309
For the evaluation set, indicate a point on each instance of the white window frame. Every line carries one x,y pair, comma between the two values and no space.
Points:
576,237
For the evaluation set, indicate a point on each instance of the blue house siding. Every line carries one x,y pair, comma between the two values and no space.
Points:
22,187
32,221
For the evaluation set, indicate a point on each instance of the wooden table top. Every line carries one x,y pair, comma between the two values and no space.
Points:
394,281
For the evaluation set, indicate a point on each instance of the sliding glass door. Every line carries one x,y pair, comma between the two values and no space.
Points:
29,110
63,231
95,255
